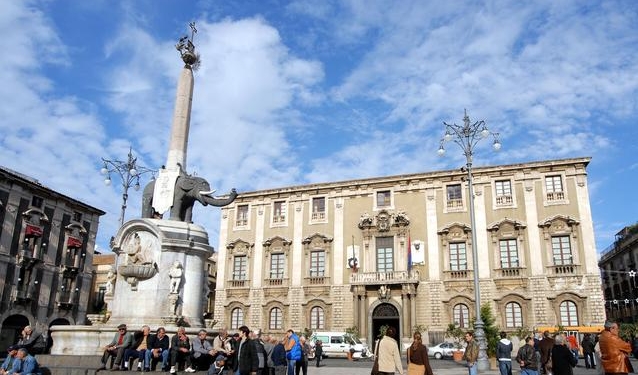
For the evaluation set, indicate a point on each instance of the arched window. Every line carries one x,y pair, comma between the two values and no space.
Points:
276,319
568,313
316,318
513,315
236,318
461,315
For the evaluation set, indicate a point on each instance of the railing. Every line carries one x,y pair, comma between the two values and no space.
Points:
390,277
511,272
555,196
455,203
241,222
618,245
564,269
458,274
318,216
277,282
237,284
277,219
317,280
503,200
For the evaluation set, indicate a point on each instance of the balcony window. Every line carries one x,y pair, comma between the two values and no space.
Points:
239,267
279,212
561,251
454,196
458,256
554,188
318,209
509,253
385,254
242,216
317,263
503,192
277,263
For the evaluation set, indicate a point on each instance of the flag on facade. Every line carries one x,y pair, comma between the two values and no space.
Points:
409,253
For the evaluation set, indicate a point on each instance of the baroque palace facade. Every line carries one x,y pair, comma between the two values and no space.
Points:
46,253
397,251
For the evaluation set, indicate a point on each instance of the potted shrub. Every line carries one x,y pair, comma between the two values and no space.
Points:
457,335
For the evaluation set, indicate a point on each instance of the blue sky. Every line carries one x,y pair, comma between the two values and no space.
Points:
311,91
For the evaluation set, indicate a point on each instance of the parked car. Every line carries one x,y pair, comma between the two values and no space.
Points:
443,350
338,344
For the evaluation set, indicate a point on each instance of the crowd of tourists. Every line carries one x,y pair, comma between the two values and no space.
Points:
243,353
549,354
558,354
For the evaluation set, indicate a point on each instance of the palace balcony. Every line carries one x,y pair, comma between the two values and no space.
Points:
384,278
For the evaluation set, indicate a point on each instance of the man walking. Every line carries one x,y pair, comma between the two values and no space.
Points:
471,353
504,354
527,358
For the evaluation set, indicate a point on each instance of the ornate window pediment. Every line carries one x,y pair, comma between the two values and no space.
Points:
506,225
35,216
277,243
455,231
239,247
317,240
558,223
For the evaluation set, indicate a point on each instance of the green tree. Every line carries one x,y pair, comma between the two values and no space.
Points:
627,331
490,328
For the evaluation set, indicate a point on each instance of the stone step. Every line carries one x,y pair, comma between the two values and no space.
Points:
81,365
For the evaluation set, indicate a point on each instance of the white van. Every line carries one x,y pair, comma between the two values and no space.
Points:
338,344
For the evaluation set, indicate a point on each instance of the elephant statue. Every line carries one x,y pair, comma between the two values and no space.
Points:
188,189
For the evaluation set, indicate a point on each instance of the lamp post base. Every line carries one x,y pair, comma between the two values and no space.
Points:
483,362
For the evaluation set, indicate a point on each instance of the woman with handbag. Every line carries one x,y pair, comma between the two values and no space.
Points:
418,362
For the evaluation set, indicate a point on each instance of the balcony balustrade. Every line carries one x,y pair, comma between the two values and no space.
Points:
379,278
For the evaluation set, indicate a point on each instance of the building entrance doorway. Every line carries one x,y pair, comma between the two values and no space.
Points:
385,315
12,330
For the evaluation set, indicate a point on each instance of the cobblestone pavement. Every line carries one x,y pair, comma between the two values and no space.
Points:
439,367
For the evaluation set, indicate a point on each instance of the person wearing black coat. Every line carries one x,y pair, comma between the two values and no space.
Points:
318,351
588,351
278,357
563,360
158,346
247,353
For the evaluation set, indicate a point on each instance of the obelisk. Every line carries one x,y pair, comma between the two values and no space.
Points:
176,159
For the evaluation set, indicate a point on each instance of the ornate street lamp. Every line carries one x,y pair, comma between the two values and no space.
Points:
129,172
467,137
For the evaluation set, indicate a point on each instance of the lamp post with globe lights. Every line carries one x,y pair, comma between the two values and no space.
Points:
129,172
467,137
